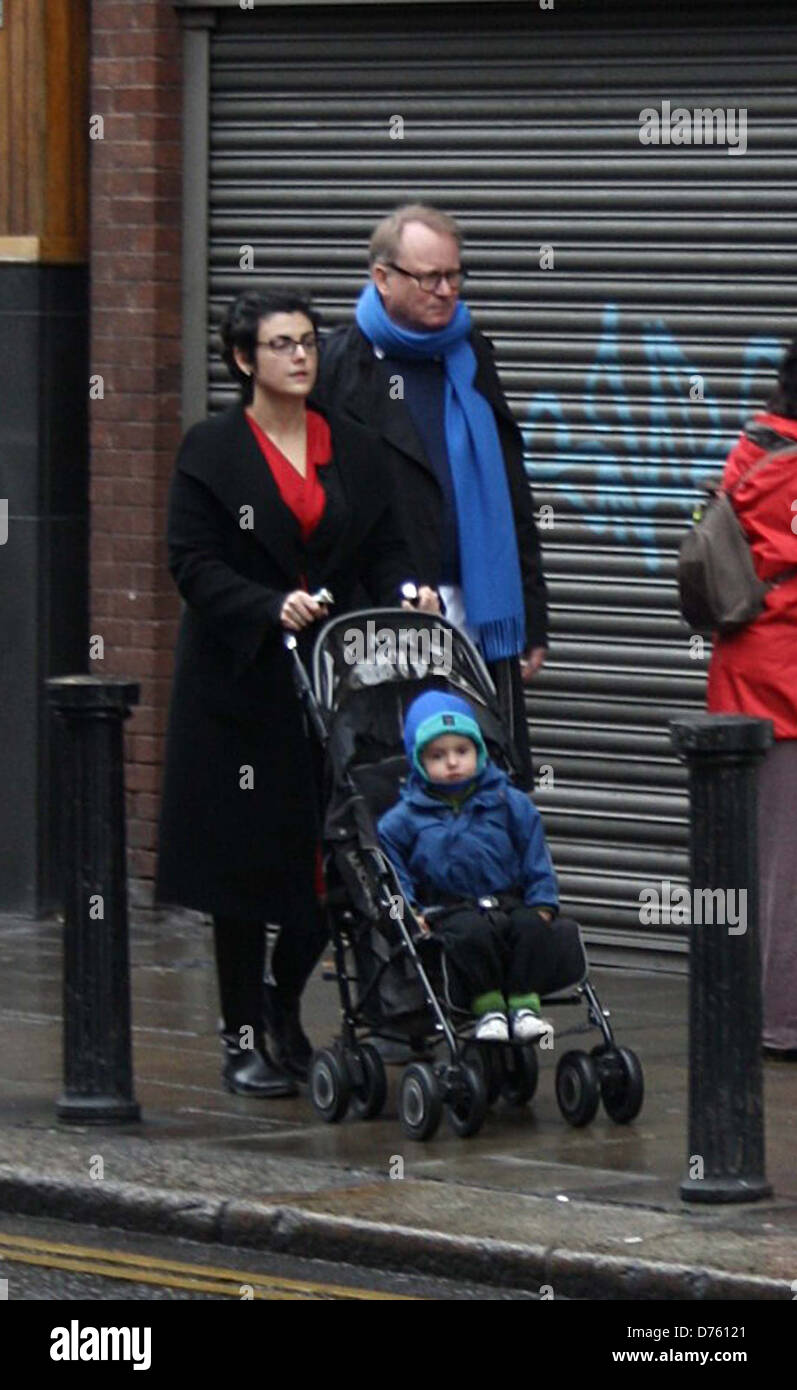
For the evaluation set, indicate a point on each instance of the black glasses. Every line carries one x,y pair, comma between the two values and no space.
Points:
430,281
284,346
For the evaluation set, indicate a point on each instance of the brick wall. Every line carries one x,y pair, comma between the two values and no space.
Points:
135,85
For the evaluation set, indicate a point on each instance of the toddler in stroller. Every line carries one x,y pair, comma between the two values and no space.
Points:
412,979
461,832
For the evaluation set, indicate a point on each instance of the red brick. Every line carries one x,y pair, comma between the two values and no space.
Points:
118,634
126,14
170,156
123,183
142,862
136,347
142,834
118,126
134,100
158,128
145,806
168,239
142,777
123,350
133,154
119,434
102,546
138,295
131,380
144,466
147,749
131,549
100,492
122,408
148,719
123,42
109,74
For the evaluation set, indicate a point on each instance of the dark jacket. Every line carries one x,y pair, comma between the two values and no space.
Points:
238,808
356,383
491,842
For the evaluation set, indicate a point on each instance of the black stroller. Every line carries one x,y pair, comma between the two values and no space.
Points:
367,667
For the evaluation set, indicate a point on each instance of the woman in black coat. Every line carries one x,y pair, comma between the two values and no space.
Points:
269,503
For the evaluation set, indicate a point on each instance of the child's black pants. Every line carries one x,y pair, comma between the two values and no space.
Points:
513,951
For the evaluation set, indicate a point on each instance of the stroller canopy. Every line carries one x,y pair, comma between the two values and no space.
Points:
369,666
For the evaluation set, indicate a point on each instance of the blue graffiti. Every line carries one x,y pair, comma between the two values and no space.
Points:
636,471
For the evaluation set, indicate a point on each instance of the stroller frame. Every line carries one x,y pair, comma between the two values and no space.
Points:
474,1072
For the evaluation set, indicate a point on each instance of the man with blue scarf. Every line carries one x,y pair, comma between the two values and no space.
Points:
415,369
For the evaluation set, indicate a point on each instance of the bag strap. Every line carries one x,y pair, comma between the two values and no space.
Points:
763,436
760,463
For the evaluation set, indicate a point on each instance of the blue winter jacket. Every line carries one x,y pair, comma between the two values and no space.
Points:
490,842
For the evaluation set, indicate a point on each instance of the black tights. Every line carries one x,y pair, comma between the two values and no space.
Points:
241,957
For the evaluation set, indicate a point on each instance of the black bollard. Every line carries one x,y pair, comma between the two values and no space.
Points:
726,1107
98,1064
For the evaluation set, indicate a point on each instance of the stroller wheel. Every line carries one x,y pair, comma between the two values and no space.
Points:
577,1088
330,1087
467,1107
621,1081
420,1105
486,1058
369,1095
521,1074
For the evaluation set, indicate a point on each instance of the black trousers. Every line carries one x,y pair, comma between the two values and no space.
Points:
513,952
241,956
512,703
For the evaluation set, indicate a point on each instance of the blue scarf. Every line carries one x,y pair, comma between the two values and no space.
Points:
485,522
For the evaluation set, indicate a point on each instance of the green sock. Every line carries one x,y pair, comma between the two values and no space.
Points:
525,1001
490,1003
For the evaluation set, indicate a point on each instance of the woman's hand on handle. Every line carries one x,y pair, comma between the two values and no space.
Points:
300,609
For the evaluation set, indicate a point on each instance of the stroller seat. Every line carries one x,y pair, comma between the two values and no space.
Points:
379,783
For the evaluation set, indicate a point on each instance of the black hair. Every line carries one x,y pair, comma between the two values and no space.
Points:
240,322
783,400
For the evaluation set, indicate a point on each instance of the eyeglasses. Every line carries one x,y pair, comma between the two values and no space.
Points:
430,281
286,347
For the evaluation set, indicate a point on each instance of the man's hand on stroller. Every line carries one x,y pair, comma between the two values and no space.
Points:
426,600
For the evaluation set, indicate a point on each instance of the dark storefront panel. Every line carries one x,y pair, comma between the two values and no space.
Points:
672,278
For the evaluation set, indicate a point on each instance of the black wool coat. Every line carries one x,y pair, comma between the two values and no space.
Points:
357,384
238,808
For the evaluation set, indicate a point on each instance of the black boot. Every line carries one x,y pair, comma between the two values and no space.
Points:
292,1047
249,1071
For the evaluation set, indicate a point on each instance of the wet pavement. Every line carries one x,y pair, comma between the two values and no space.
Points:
595,1211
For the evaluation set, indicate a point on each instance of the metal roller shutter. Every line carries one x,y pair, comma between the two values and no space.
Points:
672,278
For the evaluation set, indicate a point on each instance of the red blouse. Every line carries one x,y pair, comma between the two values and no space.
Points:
304,495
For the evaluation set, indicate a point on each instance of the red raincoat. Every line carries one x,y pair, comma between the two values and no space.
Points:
754,671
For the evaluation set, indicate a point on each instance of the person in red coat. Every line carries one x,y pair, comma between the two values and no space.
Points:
754,672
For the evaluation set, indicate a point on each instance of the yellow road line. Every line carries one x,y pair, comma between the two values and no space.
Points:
171,1281
146,1269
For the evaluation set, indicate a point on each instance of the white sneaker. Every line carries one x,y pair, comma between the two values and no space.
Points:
528,1026
492,1027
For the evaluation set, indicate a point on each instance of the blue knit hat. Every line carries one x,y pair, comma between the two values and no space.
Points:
436,713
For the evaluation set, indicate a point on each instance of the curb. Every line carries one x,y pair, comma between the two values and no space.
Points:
292,1230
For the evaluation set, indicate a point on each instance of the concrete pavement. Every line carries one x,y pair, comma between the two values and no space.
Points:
529,1202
